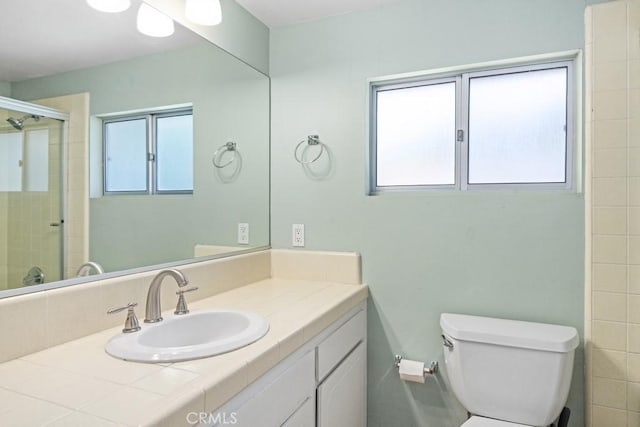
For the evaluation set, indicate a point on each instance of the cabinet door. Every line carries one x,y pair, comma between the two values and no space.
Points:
342,395
305,416
276,403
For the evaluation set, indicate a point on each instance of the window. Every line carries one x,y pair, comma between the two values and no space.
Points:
149,154
499,128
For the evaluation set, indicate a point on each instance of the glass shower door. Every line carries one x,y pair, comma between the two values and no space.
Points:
31,225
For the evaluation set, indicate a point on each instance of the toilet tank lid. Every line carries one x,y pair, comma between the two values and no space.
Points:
511,333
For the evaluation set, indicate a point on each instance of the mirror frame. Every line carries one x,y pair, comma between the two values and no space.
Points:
25,290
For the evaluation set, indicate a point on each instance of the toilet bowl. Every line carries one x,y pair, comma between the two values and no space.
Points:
508,373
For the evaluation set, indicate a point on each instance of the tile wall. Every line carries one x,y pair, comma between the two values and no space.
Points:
30,214
76,244
4,262
612,71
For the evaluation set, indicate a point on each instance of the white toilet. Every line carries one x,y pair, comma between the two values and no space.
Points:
508,373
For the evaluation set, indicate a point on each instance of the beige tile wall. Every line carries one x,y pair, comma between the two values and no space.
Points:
4,232
612,57
77,178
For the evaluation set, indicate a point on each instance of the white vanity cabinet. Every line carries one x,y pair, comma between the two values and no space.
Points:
321,384
341,396
283,398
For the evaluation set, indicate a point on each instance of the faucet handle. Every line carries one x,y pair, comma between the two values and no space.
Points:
181,307
131,324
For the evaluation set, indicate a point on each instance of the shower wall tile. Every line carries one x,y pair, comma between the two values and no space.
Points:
610,133
609,277
610,163
613,138
634,250
634,279
610,249
610,104
610,221
610,75
634,132
609,192
634,191
609,335
609,364
633,394
609,417
634,161
610,306
610,393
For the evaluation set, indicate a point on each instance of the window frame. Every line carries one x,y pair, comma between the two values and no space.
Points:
154,139
463,75
151,150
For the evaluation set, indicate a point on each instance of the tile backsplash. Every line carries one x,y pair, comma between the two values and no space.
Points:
45,319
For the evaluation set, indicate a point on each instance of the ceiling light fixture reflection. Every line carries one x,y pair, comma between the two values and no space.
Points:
111,6
203,12
154,23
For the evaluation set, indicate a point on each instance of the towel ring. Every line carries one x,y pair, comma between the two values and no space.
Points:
311,140
217,155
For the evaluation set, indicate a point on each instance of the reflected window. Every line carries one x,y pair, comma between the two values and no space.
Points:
149,154
36,160
498,128
24,161
11,161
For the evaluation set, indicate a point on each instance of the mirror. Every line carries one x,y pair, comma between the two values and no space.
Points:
124,72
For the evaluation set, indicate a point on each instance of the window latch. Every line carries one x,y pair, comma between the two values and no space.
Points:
460,135
151,157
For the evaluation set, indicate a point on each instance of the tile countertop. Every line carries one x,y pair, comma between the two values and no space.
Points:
78,384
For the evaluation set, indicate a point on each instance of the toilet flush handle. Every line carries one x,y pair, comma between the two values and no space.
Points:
446,342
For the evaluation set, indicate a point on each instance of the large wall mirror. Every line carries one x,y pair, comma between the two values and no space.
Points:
126,84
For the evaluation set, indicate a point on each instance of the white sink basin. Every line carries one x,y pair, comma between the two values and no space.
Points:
190,336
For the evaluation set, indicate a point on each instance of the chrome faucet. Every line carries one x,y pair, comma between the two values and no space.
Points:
88,267
154,311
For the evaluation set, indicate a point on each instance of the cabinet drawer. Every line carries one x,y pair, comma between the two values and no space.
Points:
333,349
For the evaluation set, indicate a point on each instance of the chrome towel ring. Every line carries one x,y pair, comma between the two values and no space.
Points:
217,155
311,141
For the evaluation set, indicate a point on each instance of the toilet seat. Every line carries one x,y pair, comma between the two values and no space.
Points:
489,422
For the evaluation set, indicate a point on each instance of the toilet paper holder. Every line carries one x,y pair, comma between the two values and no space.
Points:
431,370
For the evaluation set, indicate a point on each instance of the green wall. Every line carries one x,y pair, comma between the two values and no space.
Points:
131,231
5,89
512,254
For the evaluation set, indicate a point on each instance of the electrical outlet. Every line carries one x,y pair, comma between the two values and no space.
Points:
297,235
243,233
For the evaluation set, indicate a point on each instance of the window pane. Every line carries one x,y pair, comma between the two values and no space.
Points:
36,161
126,155
416,135
517,127
174,153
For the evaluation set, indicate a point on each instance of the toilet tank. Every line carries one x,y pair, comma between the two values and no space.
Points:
507,369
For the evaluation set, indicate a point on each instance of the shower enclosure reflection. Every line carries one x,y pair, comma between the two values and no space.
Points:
30,199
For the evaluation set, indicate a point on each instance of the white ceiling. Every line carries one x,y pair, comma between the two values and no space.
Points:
44,37
279,13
